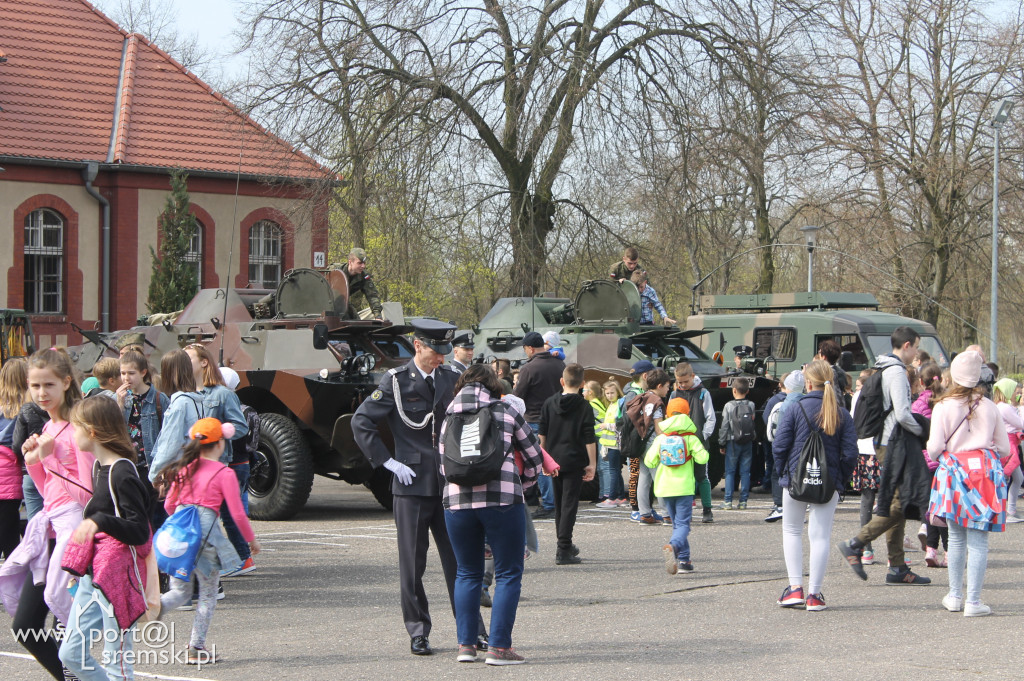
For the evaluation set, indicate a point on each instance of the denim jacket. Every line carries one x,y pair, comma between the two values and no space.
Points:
150,424
222,404
183,410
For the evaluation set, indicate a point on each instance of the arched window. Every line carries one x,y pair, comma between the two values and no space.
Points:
44,262
195,252
265,254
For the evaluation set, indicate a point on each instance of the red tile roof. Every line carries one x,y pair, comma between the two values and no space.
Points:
66,96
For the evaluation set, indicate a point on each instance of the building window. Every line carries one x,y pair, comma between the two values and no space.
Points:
194,254
44,262
265,254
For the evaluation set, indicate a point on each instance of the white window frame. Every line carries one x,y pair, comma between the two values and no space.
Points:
41,296
266,255
194,254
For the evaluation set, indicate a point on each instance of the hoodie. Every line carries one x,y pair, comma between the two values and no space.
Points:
507,488
567,424
702,410
675,481
896,396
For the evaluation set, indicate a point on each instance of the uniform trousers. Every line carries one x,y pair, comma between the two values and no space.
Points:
416,518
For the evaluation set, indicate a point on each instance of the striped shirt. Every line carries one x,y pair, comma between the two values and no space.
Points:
507,488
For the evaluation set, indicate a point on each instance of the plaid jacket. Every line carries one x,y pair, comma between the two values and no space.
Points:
507,488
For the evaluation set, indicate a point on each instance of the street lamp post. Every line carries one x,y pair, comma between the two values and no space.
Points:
1002,113
811,235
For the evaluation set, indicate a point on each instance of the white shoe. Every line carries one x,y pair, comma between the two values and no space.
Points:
976,610
1013,519
922,536
776,515
952,603
910,545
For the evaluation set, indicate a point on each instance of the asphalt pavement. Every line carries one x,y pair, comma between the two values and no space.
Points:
323,604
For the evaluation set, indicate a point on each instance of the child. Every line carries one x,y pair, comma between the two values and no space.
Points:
610,458
674,484
13,389
242,453
738,451
218,401
702,413
61,471
110,596
1002,392
143,406
184,409
199,479
651,410
593,394
107,373
867,475
567,433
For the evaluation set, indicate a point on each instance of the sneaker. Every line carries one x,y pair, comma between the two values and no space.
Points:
220,592
774,515
622,502
791,597
685,566
567,559
709,517
978,609
245,568
635,516
910,545
667,520
905,576
852,557
867,557
1013,518
504,656
608,503
199,656
952,603
725,506
544,514
657,517
922,536
467,654
742,506
669,553
816,602
649,520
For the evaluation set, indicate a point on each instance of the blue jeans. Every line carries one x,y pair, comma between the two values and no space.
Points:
681,510
609,467
230,528
504,528
33,499
91,621
738,456
544,487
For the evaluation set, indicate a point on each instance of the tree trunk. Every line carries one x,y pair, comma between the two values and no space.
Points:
531,222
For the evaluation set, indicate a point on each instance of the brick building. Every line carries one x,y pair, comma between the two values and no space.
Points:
91,120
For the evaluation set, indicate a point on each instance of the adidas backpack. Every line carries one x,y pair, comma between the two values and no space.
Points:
474,448
810,481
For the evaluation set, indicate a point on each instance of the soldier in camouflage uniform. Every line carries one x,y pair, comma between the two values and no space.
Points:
359,281
629,264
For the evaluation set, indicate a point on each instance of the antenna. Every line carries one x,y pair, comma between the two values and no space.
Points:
234,220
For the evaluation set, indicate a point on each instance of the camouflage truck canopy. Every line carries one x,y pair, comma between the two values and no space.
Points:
784,330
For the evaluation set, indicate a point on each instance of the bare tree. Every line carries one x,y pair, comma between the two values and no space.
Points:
156,19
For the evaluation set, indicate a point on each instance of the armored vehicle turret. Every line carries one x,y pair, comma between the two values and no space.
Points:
302,366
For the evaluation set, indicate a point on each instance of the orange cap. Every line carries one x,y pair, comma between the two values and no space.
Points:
677,405
210,430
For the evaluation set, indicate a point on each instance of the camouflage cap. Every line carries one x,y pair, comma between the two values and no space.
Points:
358,253
130,339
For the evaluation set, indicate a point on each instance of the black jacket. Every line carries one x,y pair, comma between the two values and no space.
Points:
538,380
567,424
905,469
30,421
132,527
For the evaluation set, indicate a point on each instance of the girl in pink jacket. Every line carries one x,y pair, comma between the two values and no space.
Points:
13,394
199,479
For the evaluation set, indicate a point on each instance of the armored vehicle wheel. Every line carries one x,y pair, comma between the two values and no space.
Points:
282,474
380,485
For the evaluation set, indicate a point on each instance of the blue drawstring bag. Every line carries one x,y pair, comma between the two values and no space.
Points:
178,542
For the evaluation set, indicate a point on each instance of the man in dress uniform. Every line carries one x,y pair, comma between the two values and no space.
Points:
412,399
462,355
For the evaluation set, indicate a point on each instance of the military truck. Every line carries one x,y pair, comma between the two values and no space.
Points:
600,329
16,338
784,330
302,367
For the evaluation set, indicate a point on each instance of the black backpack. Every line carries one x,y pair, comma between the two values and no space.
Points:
474,449
870,414
744,430
810,482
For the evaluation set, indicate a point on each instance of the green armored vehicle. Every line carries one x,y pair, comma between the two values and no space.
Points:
784,330
600,329
302,367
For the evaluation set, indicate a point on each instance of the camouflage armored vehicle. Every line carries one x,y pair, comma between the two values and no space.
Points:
600,329
783,330
302,367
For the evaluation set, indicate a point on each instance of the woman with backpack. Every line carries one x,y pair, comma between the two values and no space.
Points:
817,412
967,438
491,510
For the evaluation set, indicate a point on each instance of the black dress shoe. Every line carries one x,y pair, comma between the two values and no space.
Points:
567,559
482,642
574,550
420,646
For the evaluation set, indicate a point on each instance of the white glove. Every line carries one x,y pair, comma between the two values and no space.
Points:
401,471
